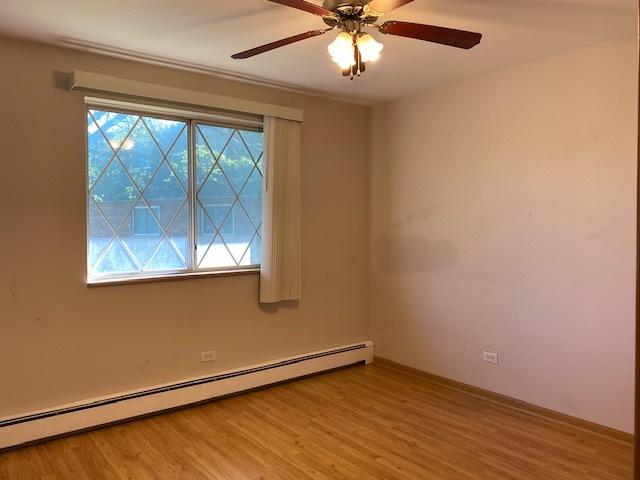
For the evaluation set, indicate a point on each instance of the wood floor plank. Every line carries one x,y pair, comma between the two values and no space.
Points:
368,422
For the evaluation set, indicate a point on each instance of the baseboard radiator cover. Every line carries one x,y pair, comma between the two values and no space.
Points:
33,426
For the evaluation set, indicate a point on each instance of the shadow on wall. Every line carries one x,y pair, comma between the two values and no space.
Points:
61,80
274,307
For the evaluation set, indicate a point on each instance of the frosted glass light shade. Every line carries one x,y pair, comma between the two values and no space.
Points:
341,50
369,48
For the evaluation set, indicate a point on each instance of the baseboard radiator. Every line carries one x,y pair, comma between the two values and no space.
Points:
33,426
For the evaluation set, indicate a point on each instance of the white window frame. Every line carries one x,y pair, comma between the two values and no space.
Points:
192,118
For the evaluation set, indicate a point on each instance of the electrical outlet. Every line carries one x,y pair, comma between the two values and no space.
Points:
209,356
490,357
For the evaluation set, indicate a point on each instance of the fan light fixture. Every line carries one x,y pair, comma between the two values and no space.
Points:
347,47
353,48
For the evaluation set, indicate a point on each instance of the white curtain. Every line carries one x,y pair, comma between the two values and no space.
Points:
280,270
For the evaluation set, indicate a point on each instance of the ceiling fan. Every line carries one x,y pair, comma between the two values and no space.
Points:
353,48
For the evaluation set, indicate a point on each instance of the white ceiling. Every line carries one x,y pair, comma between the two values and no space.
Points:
207,32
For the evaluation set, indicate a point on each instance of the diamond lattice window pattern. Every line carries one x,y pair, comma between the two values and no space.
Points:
148,216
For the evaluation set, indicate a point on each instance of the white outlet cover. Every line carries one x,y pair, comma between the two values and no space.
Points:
490,357
209,356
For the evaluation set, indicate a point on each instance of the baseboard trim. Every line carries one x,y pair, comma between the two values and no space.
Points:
90,413
512,403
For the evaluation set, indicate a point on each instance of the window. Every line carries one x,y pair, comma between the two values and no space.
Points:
171,194
218,213
144,221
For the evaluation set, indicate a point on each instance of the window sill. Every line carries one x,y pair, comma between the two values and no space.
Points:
171,277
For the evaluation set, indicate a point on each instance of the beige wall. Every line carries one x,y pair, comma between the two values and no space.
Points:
61,341
503,219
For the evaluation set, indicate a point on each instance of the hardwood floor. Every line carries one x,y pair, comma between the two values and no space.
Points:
378,421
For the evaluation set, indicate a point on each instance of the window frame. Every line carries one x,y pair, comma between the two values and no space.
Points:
192,118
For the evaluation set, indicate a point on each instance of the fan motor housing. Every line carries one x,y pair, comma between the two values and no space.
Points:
334,4
349,11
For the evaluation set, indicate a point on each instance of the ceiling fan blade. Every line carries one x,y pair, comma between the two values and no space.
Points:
277,44
430,33
306,6
384,6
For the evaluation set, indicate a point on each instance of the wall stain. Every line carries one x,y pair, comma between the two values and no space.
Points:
398,254
13,290
420,214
